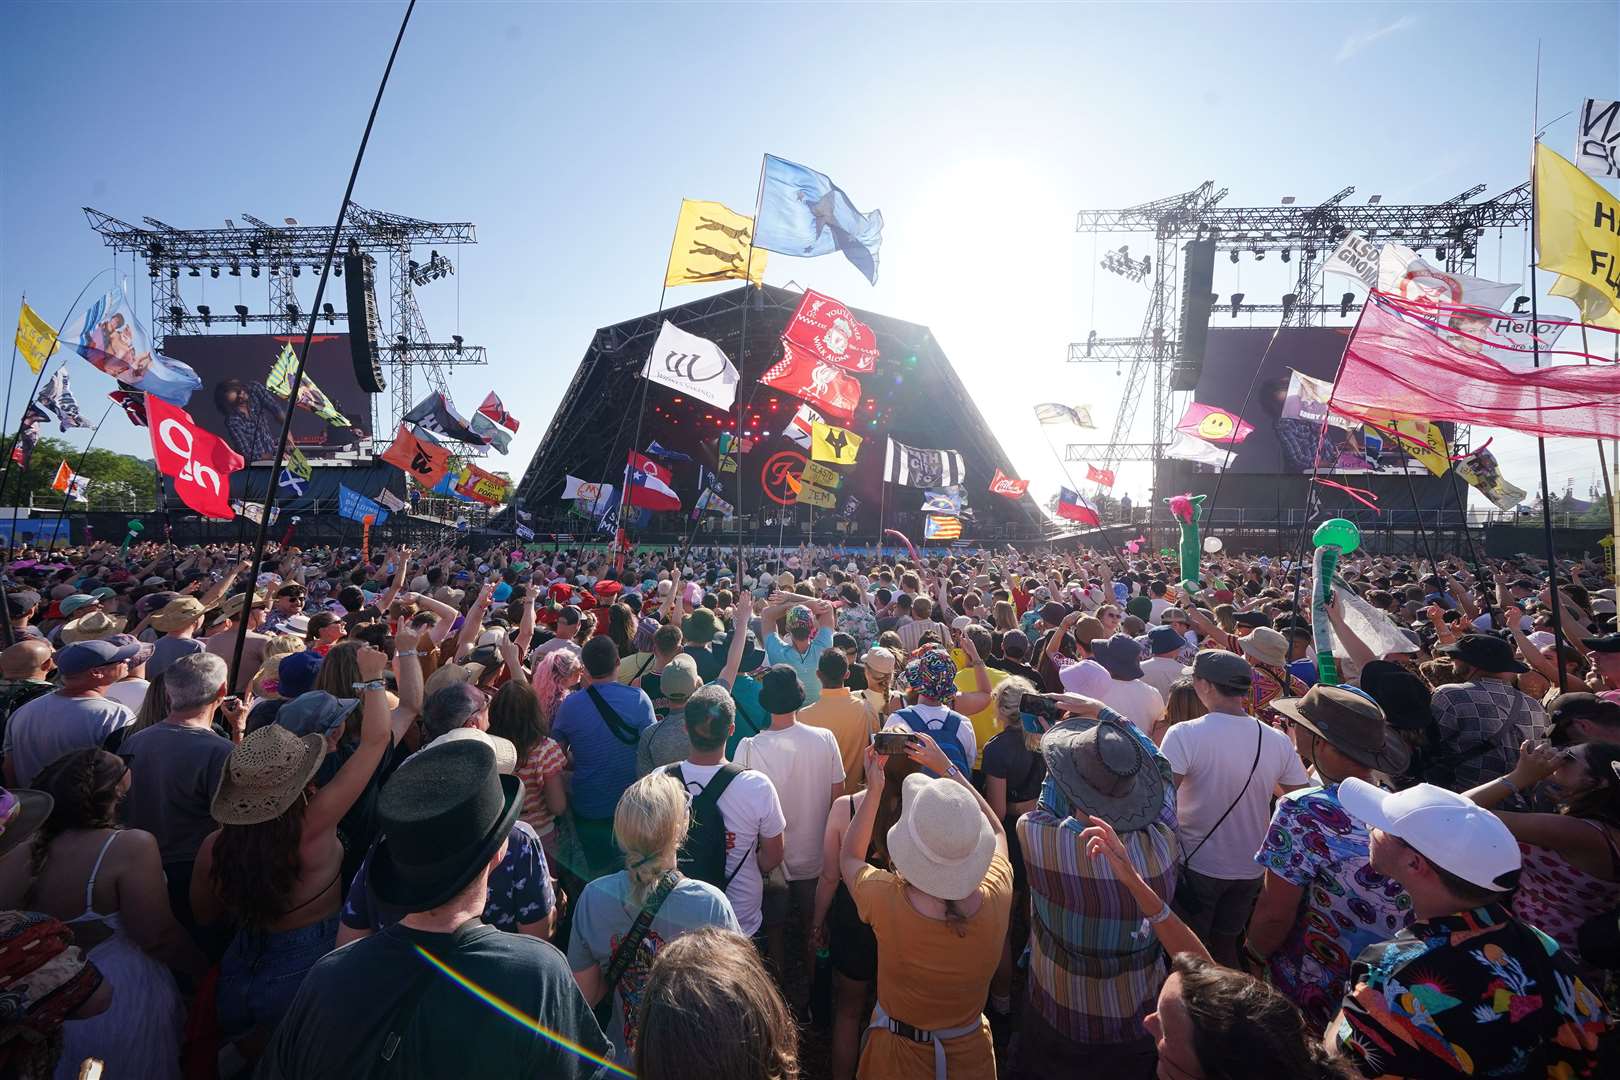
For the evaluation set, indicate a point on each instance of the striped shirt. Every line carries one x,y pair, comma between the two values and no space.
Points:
1095,967
544,761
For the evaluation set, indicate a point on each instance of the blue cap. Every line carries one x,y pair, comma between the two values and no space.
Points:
73,603
1165,639
315,713
296,674
81,656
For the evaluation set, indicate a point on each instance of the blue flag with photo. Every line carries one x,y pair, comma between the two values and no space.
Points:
355,506
802,212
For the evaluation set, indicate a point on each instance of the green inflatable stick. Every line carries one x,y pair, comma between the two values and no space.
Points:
1186,509
1334,537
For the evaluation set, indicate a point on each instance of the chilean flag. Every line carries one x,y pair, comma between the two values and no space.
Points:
1073,506
649,484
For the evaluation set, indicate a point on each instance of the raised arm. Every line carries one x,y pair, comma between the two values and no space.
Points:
1099,839
217,591
739,638
1355,648
446,613
474,621
525,636
401,573
334,800
979,698
408,647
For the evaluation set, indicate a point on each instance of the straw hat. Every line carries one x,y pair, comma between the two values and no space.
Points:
941,844
92,625
1265,645
178,614
265,774
22,812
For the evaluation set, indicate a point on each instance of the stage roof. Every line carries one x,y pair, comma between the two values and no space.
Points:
914,396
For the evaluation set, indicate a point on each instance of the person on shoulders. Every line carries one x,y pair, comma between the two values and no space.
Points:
809,634
1467,989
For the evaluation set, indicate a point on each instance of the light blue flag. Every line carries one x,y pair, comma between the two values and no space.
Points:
355,506
802,212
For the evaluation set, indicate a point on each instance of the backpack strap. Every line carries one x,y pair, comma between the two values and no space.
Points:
710,798
621,730
631,942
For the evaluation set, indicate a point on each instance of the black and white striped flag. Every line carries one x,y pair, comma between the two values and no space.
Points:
911,467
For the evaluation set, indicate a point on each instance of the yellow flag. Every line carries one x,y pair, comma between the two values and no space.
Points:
821,476
1424,442
834,444
712,243
1577,226
814,496
1595,307
36,340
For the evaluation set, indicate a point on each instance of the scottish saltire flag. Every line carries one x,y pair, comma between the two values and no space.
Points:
802,212
292,482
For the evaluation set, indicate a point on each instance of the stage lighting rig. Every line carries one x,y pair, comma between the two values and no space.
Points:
1120,262
435,268
241,314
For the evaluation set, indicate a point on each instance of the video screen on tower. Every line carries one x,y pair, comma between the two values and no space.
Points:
240,376
1288,444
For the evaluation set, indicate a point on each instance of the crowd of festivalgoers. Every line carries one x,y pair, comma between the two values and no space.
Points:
1034,814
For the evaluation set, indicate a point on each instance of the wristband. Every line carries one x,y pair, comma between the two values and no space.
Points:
1162,914
374,684
408,652
1505,782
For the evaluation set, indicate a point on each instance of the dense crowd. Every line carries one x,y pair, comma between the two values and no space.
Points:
767,814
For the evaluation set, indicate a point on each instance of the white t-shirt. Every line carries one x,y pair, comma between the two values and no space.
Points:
934,717
1159,672
1213,754
1136,701
1160,606
130,693
752,813
803,763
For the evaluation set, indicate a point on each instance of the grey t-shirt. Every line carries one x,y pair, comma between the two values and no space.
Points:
664,743
50,726
173,771
604,915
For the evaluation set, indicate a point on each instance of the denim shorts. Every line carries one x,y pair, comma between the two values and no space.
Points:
260,973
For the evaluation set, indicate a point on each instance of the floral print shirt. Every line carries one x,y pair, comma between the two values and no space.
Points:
1314,844
1478,993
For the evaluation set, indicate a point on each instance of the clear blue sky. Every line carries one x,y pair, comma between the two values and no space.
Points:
569,133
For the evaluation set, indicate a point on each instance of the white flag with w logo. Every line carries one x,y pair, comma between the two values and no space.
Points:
688,364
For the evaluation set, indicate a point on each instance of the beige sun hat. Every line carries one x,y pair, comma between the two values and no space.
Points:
90,626
265,774
942,843
178,614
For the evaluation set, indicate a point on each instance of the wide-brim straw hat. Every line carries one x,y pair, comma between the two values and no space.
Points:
942,843
265,774
178,614
22,812
92,625
1103,770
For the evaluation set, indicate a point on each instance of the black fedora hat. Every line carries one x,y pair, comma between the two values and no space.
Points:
1485,651
443,814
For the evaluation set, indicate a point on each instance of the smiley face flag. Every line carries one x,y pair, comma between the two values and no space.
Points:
1218,426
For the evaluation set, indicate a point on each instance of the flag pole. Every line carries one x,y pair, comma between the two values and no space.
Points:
67,496
39,376
303,352
742,350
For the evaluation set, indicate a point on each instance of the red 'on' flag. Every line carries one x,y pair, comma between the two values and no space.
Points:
801,374
200,462
1423,362
1105,477
1003,484
1074,507
828,331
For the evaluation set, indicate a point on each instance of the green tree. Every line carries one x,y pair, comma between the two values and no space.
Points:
117,481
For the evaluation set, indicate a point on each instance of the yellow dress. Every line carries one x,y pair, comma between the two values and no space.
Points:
930,978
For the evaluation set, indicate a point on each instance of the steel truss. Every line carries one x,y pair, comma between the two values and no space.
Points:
1452,229
284,252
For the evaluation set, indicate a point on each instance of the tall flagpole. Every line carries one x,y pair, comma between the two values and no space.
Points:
742,352
78,470
1559,647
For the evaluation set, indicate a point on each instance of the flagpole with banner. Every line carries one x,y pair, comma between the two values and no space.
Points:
742,352
78,471
297,379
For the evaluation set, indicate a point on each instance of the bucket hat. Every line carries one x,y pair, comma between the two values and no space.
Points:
780,691
942,843
1104,771
1350,722
178,613
1484,651
315,712
265,774
443,814
1120,654
1265,645
22,812
90,626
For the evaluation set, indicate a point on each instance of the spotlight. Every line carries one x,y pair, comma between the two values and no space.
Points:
176,313
213,271
152,273
255,269
174,273
1468,251
295,269
207,313
331,315
195,272
275,271
337,268
292,309
1214,298
1439,252
1237,302
236,269
457,339
1234,257
1286,255
1344,304
1289,300
1259,254
241,314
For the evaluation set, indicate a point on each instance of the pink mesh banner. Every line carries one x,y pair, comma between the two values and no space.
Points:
1432,362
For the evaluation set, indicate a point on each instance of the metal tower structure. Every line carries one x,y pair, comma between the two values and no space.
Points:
1452,229
283,253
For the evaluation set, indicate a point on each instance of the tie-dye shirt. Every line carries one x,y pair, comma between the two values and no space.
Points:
1314,844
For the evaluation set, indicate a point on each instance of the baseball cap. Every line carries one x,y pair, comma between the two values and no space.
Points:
81,656
961,622
680,678
1442,826
1226,670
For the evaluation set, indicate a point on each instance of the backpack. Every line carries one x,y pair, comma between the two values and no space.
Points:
945,736
703,852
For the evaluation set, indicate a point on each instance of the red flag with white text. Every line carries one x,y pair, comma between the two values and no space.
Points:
1105,477
200,462
1006,485
830,332
803,375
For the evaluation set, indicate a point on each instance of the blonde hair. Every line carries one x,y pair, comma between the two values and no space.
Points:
280,645
649,824
1007,694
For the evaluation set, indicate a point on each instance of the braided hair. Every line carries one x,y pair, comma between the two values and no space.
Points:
84,785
